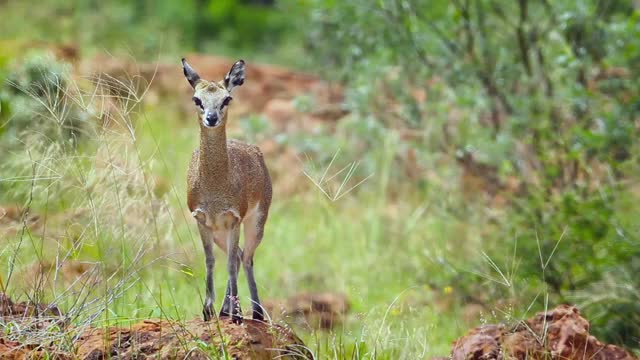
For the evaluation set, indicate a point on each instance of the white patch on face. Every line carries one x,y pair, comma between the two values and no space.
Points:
214,102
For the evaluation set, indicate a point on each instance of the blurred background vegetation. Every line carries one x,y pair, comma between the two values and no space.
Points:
501,135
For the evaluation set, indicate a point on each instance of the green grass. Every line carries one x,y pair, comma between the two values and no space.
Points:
408,258
386,256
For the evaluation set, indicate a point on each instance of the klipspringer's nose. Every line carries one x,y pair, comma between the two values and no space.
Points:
211,119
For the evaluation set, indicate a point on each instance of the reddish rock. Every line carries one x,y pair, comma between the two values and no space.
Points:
480,343
26,309
558,334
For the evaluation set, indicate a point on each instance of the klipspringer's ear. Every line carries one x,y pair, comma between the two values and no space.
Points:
235,76
190,74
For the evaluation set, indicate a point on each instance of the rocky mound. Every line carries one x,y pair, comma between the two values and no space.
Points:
33,336
557,334
193,339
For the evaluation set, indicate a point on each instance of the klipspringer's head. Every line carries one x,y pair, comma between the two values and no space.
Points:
212,98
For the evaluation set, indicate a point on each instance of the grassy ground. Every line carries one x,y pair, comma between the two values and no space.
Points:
117,203
389,251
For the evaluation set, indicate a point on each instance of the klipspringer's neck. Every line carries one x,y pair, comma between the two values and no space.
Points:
213,164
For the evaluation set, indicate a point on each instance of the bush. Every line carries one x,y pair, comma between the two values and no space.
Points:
543,92
36,101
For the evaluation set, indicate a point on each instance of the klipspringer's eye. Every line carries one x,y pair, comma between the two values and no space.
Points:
197,102
226,101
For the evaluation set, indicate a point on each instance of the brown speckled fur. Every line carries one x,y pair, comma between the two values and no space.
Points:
233,177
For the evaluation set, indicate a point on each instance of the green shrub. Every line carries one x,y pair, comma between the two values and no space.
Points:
40,117
543,92
37,101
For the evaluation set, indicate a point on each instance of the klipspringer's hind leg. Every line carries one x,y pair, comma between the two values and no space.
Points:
257,312
253,232
233,239
206,236
226,304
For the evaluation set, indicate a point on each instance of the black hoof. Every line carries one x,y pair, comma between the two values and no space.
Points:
224,313
207,313
235,318
258,315
231,307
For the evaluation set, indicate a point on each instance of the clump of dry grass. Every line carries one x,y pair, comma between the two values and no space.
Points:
92,197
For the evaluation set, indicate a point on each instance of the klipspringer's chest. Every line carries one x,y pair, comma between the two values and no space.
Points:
217,221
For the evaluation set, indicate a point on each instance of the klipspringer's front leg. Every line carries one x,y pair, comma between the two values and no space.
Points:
226,304
231,304
206,236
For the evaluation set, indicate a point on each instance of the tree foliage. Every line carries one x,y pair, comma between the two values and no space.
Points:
545,92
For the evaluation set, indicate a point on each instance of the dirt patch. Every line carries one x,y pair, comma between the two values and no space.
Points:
311,310
23,326
265,83
558,334
16,350
158,339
